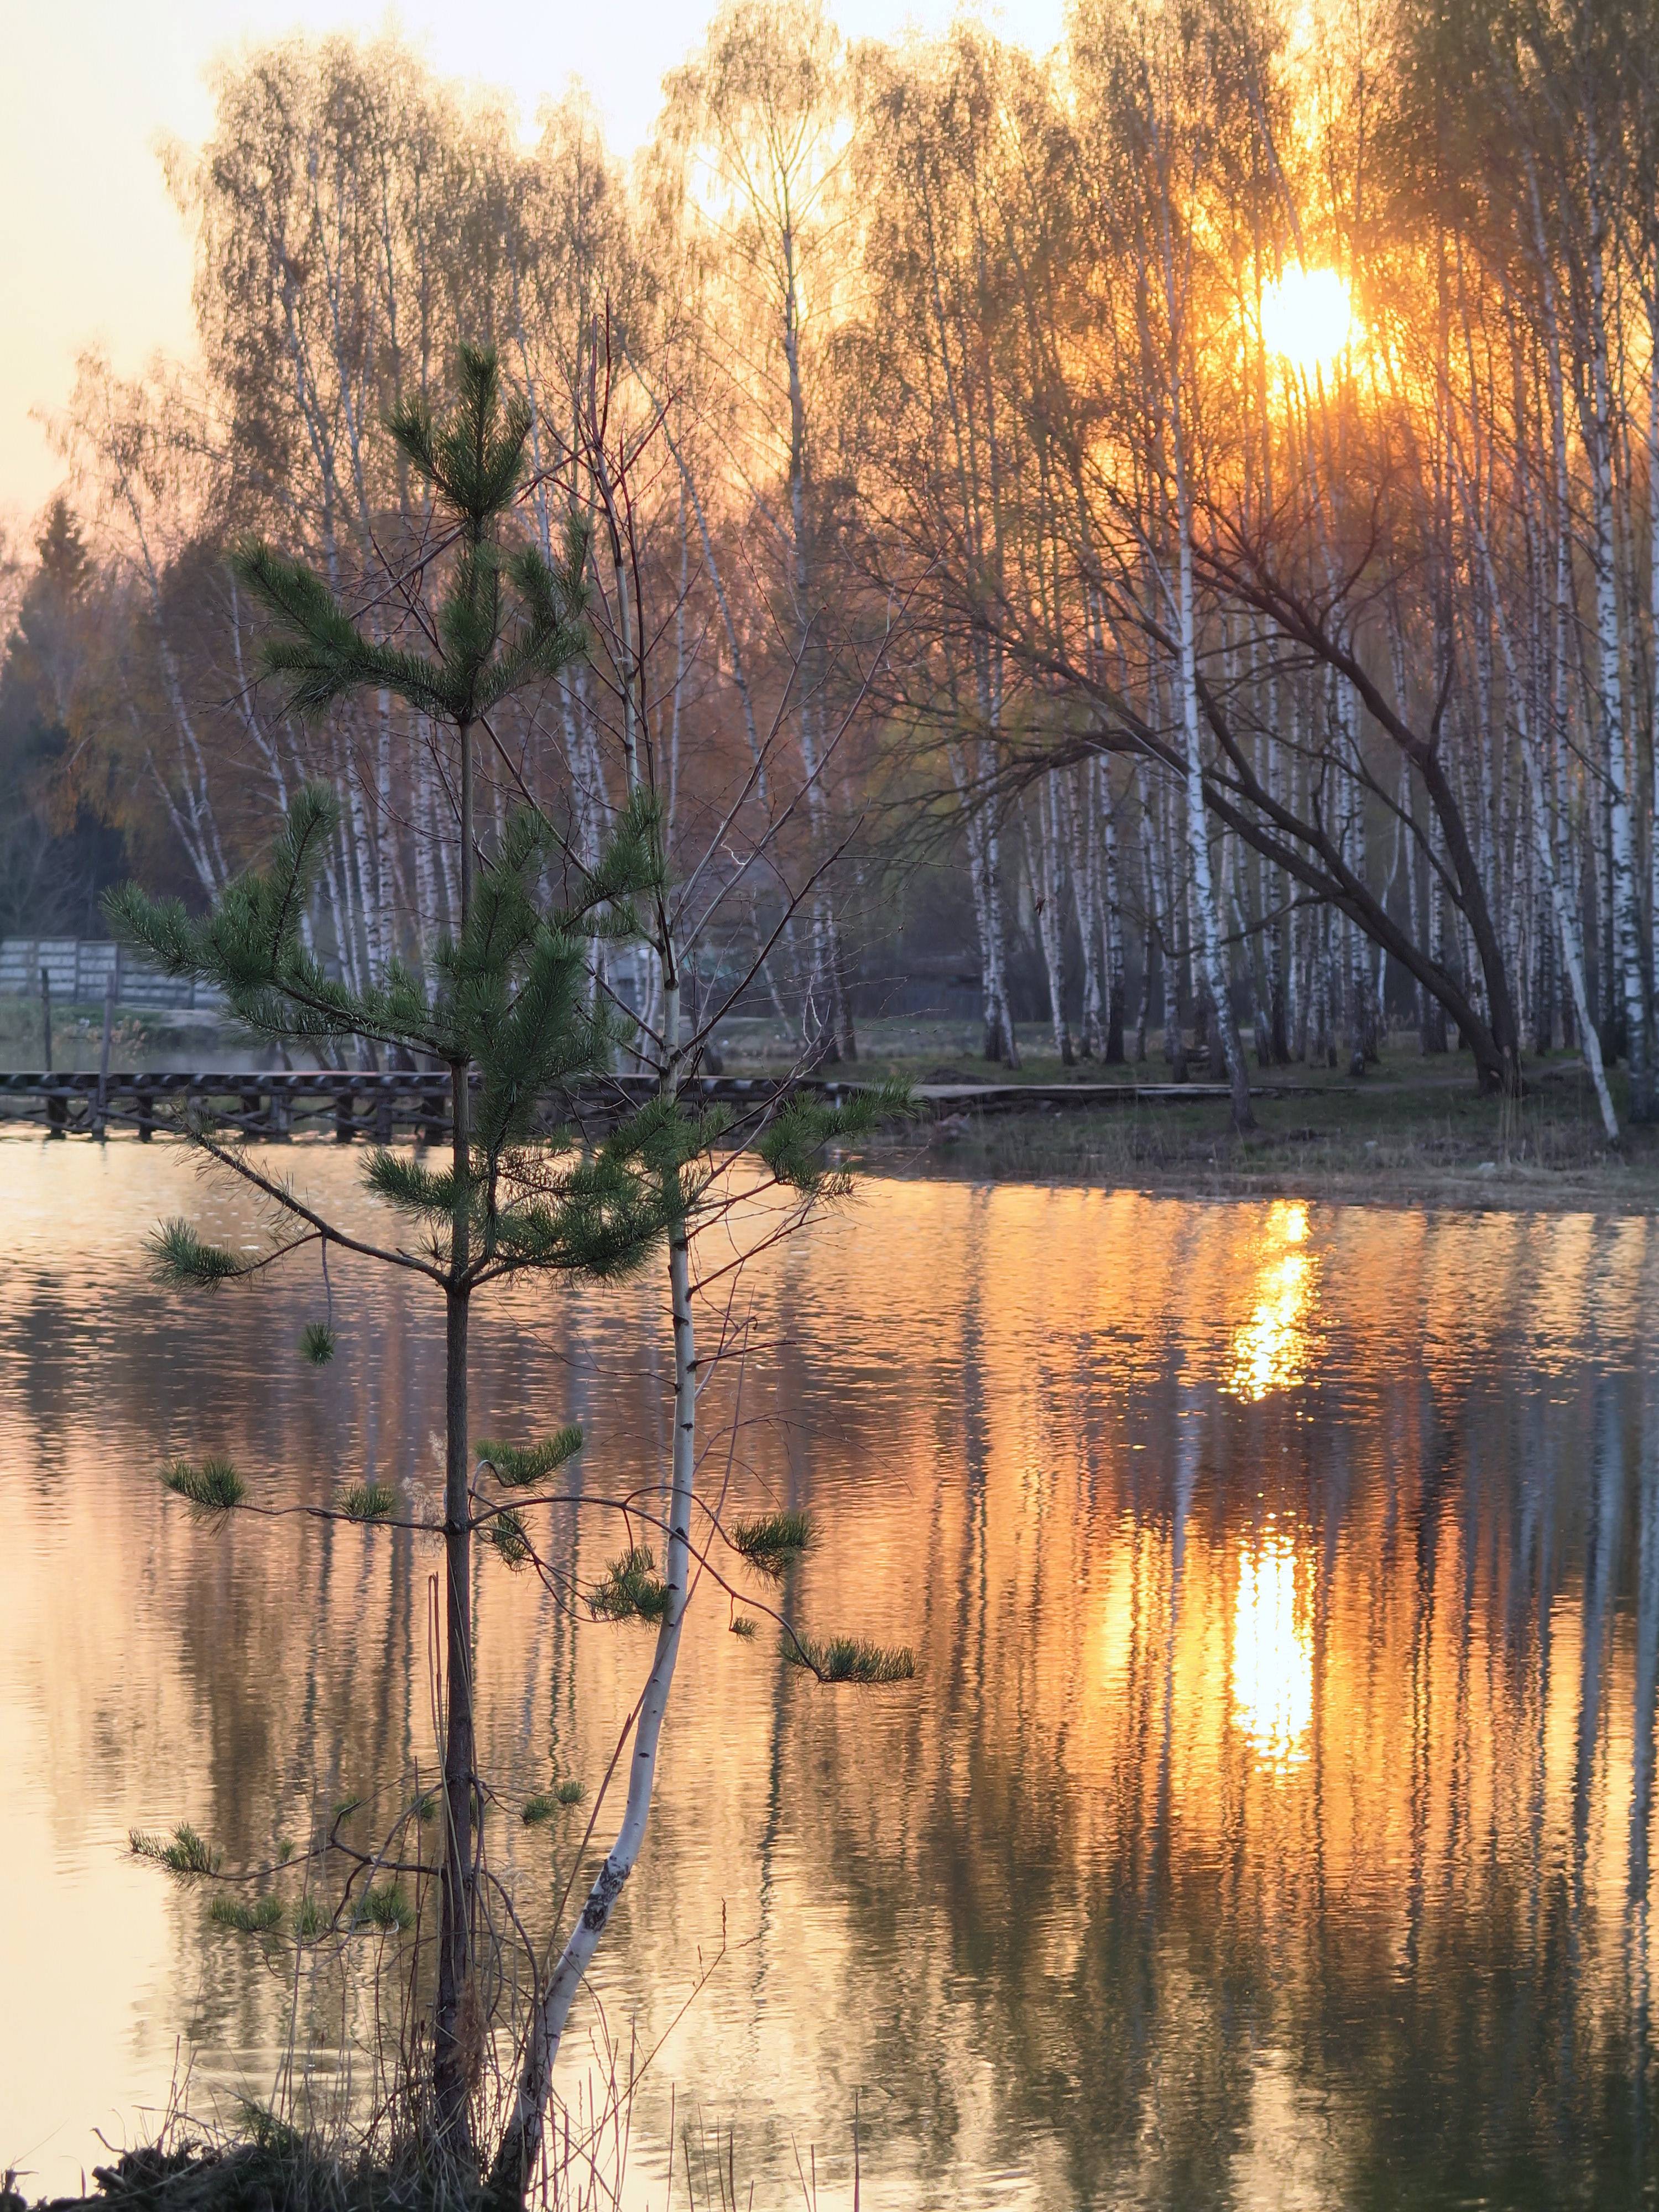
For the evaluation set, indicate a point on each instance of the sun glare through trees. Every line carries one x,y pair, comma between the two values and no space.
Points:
1307,319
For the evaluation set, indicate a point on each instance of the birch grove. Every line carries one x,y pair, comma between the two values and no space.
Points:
1246,677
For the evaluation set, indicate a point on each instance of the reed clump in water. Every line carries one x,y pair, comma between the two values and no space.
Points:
274,2168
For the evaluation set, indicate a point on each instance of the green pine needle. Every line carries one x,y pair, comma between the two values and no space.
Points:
183,1261
214,1486
403,1182
368,1501
540,1810
383,1905
310,1920
774,1541
516,1470
183,1852
631,1589
741,1625
259,1918
849,1659
507,1533
317,1343
793,1145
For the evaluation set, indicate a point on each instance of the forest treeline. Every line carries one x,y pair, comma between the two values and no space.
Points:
974,502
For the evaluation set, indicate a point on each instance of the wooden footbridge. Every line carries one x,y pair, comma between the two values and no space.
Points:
278,1105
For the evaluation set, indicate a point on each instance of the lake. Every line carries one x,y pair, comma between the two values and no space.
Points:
1269,1822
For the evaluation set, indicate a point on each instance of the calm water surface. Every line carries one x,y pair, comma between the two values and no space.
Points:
1269,1823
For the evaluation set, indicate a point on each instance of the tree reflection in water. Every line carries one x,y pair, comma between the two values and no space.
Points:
1269,1824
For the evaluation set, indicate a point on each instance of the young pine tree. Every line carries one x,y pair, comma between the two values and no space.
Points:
502,1005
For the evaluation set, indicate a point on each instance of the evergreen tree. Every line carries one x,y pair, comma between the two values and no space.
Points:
61,839
501,1006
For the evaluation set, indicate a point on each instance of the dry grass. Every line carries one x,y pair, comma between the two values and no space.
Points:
1413,1132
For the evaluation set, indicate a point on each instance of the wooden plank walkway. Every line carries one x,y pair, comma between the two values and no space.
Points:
276,1104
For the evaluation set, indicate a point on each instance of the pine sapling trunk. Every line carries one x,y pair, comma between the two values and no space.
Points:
456,2026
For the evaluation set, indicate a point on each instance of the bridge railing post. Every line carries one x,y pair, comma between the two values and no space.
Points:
99,1111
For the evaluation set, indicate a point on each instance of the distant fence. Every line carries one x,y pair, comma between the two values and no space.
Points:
79,968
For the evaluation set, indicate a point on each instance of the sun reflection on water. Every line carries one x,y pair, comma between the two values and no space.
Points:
1273,1654
1270,1351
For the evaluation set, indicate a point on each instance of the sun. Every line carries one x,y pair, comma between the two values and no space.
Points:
1307,318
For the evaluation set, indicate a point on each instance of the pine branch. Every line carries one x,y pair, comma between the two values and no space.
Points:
183,1852
428,1195
849,1659
515,1469
507,1531
319,651
215,1486
631,1590
368,1501
183,1261
773,1542
793,1146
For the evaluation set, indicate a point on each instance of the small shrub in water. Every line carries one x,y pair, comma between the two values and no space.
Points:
849,1659
368,1501
772,1543
631,1589
183,1852
317,1343
215,1486
258,1918
266,2130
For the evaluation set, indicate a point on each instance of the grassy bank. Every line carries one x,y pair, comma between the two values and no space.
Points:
1410,1132
276,2173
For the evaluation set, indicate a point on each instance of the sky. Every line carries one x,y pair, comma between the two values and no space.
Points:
92,251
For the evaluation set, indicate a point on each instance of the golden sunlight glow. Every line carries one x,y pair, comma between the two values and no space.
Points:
1269,1353
1307,318
1272,1656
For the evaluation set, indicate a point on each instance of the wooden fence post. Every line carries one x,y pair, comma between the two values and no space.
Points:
102,1107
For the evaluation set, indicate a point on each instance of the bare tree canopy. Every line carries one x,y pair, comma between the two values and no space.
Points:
1217,462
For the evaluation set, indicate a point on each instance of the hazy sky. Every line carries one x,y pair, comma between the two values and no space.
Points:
91,250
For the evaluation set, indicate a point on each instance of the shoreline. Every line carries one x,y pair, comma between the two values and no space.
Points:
1621,1193
1408,1135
